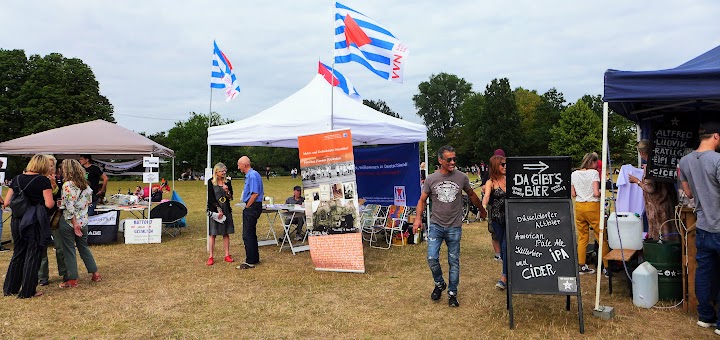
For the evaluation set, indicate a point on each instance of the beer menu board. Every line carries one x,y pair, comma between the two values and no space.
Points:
542,252
671,140
538,177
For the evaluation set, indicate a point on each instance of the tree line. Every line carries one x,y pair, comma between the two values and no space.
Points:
522,122
38,93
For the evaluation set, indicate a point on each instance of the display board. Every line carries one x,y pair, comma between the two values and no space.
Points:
538,177
542,252
103,227
671,140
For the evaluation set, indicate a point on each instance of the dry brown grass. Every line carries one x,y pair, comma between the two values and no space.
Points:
167,291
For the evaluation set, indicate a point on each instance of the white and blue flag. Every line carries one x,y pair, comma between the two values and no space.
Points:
222,76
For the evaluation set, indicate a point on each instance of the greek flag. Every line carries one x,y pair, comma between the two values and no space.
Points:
362,40
222,76
338,80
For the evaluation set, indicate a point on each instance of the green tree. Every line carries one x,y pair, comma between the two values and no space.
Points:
622,132
463,138
48,92
499,125
382,106
546,117
578,131
438,101
528,102
189,141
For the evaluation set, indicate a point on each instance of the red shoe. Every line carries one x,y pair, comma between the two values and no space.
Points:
229,259
69,284
211,261
96,277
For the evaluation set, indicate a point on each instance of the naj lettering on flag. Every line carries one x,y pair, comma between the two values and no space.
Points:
338,80
362,40
222,75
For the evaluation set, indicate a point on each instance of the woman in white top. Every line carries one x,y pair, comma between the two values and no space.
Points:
585,189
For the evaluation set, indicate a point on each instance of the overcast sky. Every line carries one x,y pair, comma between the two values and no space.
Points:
152,58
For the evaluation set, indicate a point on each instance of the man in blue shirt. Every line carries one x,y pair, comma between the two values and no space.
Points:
252,195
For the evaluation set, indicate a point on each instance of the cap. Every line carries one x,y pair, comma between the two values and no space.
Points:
499,152
298,188
709,127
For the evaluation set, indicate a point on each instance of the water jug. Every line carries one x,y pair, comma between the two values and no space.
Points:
645,285
630,231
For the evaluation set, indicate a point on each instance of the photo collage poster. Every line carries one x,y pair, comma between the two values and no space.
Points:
327,170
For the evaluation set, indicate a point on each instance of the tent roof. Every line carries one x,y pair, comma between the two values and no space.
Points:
691,87
98,138
306,112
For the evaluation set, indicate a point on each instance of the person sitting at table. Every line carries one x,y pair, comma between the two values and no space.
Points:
220,193
296,198
139,192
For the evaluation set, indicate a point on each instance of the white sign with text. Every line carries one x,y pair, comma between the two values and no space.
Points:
151,162
143,231
151,177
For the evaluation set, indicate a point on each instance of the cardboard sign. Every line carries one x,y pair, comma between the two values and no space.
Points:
151,177
339,252
538,177
143,231
151,162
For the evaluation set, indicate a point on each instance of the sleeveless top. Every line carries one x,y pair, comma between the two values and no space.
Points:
497,209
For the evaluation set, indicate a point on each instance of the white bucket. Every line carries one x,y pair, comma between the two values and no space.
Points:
630,231
645,285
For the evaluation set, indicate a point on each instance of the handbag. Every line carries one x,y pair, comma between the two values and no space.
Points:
55,219
19,203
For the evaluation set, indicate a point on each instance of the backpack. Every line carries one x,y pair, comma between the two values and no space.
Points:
19,202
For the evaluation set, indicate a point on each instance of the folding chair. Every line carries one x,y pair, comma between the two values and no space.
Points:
395,225
171,213
367,219
380,223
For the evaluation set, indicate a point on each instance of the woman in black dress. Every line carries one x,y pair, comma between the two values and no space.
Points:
220,193
31,231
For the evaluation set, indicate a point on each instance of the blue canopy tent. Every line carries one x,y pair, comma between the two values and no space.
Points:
691,89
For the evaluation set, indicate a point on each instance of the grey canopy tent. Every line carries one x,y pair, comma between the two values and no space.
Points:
98,138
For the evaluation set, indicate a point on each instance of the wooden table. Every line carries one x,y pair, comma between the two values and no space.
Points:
689,264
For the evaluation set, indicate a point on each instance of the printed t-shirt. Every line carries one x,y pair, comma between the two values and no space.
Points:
630,195
445,191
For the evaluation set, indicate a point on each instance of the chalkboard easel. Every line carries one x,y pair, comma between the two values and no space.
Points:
542,251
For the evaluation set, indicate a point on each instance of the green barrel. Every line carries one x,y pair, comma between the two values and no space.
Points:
667,259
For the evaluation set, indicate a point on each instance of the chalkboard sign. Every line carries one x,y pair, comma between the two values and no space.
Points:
671,141
538,177
541,247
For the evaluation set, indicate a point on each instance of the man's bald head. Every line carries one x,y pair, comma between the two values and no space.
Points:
244,164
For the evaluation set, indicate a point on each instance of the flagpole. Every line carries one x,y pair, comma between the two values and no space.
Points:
332,70
207,218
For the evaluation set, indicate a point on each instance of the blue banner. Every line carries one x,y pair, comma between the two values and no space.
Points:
388,174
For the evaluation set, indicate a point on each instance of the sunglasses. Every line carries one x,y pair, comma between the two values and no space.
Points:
451,159
503,164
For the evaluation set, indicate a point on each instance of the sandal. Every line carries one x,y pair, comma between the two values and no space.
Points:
245,266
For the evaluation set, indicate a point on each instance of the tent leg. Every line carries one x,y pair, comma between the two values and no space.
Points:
603,179
207,218
427,165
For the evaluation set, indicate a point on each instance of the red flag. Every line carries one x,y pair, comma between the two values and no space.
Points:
327,74
355,34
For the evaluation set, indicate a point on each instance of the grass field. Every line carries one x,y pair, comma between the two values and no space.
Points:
166,290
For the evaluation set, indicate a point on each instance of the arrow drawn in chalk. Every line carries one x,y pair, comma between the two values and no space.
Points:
539,166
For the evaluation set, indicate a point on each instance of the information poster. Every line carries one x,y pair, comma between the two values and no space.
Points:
143,231
327,170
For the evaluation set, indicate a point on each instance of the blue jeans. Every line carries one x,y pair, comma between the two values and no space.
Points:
499,232
451,236
707,274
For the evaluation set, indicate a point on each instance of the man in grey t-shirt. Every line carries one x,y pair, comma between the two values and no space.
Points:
700,178
445,187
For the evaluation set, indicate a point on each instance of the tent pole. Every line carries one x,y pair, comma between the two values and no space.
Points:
427,165
638,138
209,150
332,95
603,180
173,173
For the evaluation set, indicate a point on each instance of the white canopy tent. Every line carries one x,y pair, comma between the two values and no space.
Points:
306,112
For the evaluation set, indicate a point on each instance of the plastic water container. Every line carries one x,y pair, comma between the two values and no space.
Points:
645,285
631,231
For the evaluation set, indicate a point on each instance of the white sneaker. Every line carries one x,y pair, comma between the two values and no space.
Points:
717,331
704,324
584,269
